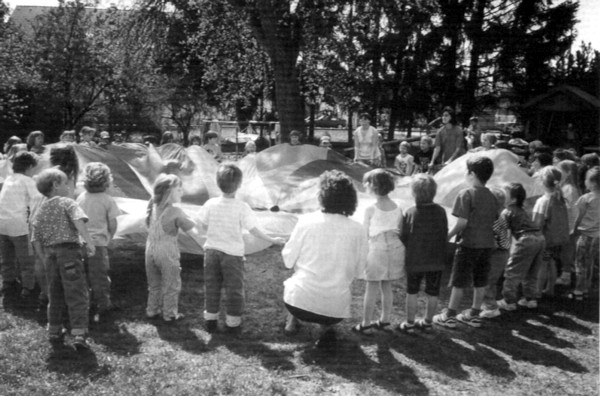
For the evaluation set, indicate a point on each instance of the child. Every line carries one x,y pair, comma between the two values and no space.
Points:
325,142
550,215
17,197
86,136
424,231
587,225
385,261
56,228
404,162
526,257
424,155
35,142
249,148
498,257
569,187
163,269
67,137
488,142
225,218
213,146
295,138
102,213
476,210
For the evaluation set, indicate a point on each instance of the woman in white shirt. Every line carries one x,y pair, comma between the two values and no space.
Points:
327,251
366,142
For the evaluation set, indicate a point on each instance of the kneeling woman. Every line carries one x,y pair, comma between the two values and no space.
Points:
327,251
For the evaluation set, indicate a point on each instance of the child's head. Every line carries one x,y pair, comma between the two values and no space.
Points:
534,145
250,147
500,196
87,133
195,140
63,156
569,170
551,177
337,194
212,137
592,179
425,143
403,147
423,188
67,137
229,178
11,142
24,161
379,181
481,167
51,182
35,138
325,141
364,119
517,193
590,160
96,177
448,116
167,137
14,149
488,140
294,137
541,160
163,188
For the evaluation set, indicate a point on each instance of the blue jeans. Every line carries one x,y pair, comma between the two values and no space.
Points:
222,270
523,267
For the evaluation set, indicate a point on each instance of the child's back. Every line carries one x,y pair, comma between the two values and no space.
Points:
100,208
478,206
424,233
589,207
555,227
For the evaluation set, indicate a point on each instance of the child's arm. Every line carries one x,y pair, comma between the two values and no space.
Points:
367,219
257,232
411,165
397,165
459,226
82,229
112,227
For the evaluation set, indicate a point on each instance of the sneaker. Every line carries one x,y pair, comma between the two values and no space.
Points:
443,319
210,325
423,324
502,304
531,304
81,343
490,313
406,327
466,318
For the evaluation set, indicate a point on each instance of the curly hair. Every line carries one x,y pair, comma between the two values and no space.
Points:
337,194
381,181
63,156
96,177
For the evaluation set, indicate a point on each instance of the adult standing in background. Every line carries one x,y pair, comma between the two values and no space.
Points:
449,141
473,134
35,142
366,142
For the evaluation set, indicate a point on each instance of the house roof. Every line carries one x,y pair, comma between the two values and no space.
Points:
564,98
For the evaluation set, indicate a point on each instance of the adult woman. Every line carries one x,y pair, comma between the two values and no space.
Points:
366,142
327,250
449,141
35,142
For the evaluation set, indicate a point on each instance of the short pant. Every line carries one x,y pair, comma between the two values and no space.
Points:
470,267
433,282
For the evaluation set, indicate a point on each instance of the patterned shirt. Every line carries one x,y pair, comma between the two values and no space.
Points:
53,222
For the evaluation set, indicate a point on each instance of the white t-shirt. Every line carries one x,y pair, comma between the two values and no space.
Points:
327,251
225,219
99,208
17,196
405,164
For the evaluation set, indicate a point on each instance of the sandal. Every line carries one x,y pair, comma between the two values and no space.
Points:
383,326
363,330
575,296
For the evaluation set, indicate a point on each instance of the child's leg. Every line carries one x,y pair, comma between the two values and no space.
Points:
7,260
586,251
371,292
551,268
40,277
213,280
413,283
76,295
567,260
518,264
433,282
25,260
498,261
536,260
170,287
481,271
411,307
387,301
542,278
153,306
56,295
233,279
98,266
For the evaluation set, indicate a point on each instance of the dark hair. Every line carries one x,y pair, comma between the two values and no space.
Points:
167,137
382,181
11,142
544,149
229,178
452,114
46,179
562,154
517,192
423,188
482,167
195,138
210,135
545,159
86,130
337,194
31,138
365,116
24,160
294,132
63,156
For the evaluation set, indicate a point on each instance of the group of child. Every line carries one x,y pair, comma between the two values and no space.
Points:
408,244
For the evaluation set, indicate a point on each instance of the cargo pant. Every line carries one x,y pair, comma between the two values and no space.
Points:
17,260
222,270
498,260
97,267
67,286
587,253
523,267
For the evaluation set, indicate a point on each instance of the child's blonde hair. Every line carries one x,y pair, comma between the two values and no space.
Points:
428,140
570,170
46,179
551,177
161,191
381,181
97,177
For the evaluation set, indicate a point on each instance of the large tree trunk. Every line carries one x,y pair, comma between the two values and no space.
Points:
474,29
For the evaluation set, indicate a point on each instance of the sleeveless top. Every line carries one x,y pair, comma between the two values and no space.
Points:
159,242
383,221
367,147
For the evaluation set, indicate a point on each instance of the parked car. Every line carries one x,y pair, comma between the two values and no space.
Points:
327,120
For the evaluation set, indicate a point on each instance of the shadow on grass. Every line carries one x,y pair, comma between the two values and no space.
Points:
350,361
116,337
67,360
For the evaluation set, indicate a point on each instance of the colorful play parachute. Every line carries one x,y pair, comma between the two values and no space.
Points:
280,183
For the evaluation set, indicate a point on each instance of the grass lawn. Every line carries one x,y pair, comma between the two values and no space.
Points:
551,350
